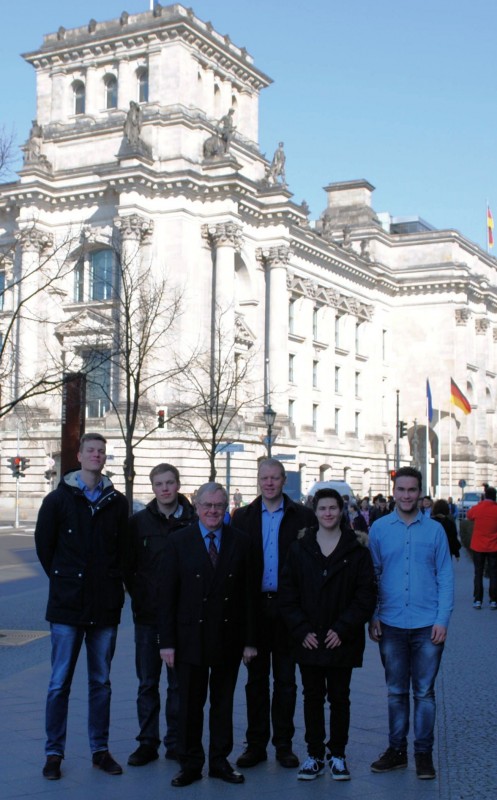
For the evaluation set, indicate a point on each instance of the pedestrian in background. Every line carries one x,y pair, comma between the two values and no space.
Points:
484,546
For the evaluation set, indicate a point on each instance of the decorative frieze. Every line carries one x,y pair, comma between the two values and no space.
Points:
134,227
33,240
327,296
462,316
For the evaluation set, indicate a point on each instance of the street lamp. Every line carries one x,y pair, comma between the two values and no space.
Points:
269,416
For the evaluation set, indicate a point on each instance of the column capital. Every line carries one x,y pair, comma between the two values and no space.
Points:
223,234
274,256
34,240
134,227
481,326
462,316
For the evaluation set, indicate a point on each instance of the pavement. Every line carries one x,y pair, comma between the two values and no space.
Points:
464,755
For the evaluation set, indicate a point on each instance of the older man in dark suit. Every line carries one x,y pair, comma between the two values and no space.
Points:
206,626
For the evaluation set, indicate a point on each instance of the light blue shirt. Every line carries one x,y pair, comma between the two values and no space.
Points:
91,494
414,572
271,521
205,531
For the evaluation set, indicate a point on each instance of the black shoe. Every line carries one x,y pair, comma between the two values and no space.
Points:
143,754
287,757
51,770
390,760
424,766
104,761
226,773
250,757
185,777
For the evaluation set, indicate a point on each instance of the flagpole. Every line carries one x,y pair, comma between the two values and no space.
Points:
427,445
450,453
439,470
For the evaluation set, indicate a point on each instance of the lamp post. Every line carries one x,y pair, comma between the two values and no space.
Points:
269,416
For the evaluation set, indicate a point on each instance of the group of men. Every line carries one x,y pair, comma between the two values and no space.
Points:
205,598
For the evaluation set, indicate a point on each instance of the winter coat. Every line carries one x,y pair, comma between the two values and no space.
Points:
81,547
249,519
207,614
148,532
317,594
450,529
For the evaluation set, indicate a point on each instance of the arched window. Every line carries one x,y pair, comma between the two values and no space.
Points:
143,86
110,91
78,89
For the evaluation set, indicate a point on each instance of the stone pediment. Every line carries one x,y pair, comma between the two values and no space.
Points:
243,334
86,325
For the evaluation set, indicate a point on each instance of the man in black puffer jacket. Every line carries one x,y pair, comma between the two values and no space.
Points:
149,529
80,540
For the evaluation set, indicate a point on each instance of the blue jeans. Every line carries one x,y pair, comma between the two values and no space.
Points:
148,670
410,657
66,644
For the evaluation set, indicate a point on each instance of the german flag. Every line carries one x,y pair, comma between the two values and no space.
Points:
458,399
490,228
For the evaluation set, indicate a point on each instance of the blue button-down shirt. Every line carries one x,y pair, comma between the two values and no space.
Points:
271,521
414,571
91,494
205,531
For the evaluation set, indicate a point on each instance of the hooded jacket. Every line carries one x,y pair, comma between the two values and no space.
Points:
148,531
317,594
81,547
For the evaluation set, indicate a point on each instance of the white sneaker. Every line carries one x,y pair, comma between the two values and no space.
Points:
338,769
311,769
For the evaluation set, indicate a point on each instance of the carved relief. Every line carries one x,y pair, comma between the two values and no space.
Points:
134,227
462,316
33,240
227,234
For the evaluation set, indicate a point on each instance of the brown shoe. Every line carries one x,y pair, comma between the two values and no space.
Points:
51,770
104,761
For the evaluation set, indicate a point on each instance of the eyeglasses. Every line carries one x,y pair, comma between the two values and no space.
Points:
213,506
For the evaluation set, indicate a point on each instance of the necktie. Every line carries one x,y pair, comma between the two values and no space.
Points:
213,553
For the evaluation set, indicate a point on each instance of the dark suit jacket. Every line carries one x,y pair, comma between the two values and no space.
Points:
207,615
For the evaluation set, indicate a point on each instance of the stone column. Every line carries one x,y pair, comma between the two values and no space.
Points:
225,239
29,337
482,435
275,261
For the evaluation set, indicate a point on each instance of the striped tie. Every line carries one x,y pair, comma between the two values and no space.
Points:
213,553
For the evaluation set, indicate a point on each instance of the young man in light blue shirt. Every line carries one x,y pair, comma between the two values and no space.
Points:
415,599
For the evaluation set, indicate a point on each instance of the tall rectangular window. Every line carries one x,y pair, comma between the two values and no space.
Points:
357,384
96,365
291,368
337,331
101,274
384,345
79,282
315,417
291,316
314,374
357,337
357,419
337,421
315,318
291,410
337,379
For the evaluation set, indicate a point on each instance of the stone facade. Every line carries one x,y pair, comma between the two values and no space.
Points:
132,143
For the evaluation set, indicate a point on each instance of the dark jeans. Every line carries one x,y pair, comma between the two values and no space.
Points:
148,670
409,656
479,565
66,645
319,684
273,650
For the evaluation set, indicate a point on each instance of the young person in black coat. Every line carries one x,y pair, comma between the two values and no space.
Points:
327,595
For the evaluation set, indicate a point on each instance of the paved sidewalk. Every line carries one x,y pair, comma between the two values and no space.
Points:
465,742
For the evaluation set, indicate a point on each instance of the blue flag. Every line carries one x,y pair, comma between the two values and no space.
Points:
429,406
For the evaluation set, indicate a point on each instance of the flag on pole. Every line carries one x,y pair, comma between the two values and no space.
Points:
458,399
429,405
490,228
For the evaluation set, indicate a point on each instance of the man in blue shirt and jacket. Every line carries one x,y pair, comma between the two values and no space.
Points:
413,567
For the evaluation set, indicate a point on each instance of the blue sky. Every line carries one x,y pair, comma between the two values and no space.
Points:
402,94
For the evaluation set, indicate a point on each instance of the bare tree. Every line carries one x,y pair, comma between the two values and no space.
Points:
139,339
28,289
7,157
213,394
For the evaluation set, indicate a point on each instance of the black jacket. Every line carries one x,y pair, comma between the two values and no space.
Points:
207,614
148,531
317,594
81,547
249,519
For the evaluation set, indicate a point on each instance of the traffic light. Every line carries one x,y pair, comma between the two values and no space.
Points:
160,418
49,474
15,463
402,429
24,465
392,474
